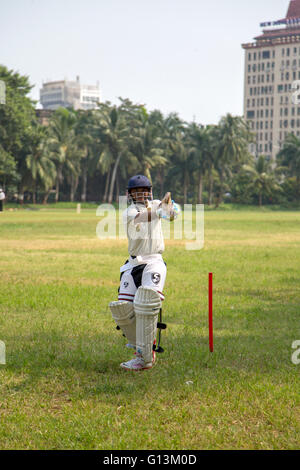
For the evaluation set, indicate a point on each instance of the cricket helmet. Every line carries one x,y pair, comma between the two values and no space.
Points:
139,181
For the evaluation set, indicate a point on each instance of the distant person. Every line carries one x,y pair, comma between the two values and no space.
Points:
2,197
143,275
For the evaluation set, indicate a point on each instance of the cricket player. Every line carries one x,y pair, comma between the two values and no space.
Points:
144,273
2,197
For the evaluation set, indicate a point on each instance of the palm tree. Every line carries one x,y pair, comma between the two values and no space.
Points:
114,131
202,153
85,142
39,163
263,180
62,142
181,161
146,143
289,157
233,137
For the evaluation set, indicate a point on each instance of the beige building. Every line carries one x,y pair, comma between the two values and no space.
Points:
69,94
272,65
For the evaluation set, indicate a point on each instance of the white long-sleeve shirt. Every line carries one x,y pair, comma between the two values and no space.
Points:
144,238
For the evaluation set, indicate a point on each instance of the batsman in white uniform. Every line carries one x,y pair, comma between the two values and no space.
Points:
144,273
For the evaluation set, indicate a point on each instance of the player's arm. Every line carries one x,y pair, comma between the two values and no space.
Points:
166,209
146,216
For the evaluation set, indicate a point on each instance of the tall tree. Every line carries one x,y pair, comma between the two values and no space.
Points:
115,131
146,143
232,147
16,117
263,179
39,162
289,157
86,142
62,142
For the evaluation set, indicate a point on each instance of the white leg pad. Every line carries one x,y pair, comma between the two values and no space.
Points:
124,316
147,304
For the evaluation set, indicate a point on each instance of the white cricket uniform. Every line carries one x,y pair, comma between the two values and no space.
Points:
145,266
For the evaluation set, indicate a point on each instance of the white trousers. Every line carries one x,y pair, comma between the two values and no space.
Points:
149,274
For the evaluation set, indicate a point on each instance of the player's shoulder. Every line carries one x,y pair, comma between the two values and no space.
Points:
130,212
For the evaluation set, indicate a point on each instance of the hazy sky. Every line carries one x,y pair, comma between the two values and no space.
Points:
172,55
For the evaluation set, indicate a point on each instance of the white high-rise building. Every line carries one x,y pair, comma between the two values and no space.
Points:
272,65
69,94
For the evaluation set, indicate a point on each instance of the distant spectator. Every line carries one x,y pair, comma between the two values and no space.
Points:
2,197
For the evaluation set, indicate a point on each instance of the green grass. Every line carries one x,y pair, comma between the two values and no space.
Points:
62,387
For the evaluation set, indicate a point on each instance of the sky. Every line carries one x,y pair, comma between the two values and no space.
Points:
182,56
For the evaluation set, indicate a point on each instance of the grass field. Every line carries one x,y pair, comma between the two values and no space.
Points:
62,386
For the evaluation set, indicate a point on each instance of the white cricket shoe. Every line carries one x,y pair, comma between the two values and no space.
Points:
138,363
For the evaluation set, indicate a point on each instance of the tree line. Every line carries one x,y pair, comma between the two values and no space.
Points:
90,155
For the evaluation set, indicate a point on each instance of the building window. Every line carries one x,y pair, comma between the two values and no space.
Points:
249,56
250,115
266,54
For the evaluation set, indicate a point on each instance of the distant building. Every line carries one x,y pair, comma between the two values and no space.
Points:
43,116
69,94
272,64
